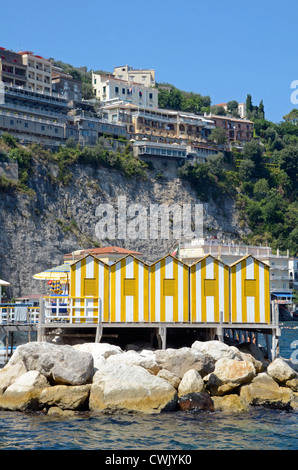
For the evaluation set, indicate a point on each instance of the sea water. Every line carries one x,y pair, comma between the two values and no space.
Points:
259,429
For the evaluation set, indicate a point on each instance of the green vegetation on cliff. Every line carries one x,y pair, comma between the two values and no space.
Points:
263,179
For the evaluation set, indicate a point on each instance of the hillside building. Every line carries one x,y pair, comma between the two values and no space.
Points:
12,70
144,76
241,109
39,72
108,88
159,124
240,130
65,85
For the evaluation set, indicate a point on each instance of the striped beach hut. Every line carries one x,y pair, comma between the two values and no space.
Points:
250,291
209,290
89,290
129,290
169,290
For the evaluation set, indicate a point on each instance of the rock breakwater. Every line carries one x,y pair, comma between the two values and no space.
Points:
100,377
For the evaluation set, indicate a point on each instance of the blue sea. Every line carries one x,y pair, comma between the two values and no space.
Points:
260,429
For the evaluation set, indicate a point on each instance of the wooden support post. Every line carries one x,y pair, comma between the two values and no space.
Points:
275,345
40,320
219,329
28,323
6,352
162,335
11,343
98,334
267,339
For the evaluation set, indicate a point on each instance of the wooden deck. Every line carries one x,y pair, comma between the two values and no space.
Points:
45,327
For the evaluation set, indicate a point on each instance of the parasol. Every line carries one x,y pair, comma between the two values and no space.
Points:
58,273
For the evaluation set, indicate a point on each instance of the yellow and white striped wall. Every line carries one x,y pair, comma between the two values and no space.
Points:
209,291
249,291
89,290
169,290
129,290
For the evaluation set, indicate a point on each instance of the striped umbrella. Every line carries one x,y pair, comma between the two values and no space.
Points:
59,273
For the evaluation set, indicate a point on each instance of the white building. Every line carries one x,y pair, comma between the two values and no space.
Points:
293,270
110,89
39,72
144,76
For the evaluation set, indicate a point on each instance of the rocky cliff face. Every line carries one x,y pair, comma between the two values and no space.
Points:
36,230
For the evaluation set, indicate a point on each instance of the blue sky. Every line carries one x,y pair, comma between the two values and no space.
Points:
224,49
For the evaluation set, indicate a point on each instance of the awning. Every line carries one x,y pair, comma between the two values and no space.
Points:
284,294
4,283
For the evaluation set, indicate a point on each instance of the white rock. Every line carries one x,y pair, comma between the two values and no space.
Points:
99,349
23,394
29,381
228,375
280,371
191,382
178,361
216,349
9,374
129,387
134,358
62,364
171,378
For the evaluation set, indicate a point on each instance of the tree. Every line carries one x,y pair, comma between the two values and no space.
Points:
261,110
288,161
87,91
232,105
218,110
233,108
253,151
246,169
218,135
292,116
261,189
248,104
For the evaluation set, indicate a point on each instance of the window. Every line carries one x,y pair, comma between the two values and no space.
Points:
169,287
129,287
56,131
123,91
250,287
90,287
11,122
140,93
95,81
116,89
26,124
210,287
150,96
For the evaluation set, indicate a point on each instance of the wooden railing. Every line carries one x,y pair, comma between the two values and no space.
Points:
12,313
72,309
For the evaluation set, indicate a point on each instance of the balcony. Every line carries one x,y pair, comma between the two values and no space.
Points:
28,94
30,118
34,111
14,75
153,117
